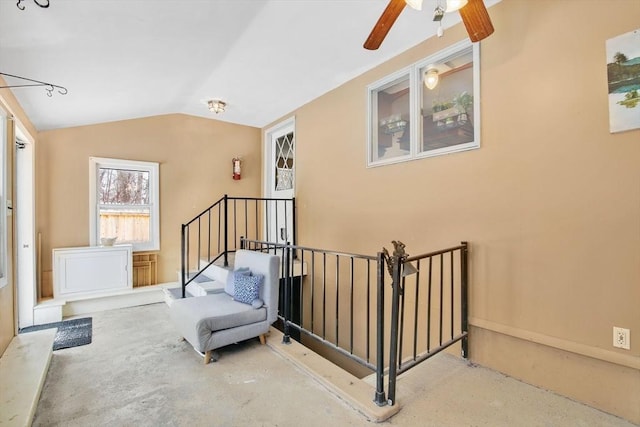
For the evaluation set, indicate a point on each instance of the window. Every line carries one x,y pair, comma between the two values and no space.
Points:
391,109
428,109
124,202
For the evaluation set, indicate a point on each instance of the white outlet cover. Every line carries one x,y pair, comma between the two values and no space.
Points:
621,338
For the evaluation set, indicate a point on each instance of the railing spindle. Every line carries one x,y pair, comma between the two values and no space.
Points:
182,252
429,306
313,289
401,328
351,311
415,314
379,398
246,218
452,291
441,291
368,344
464,322
337,299
199,246
324,295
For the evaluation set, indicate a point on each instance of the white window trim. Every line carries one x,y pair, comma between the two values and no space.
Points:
154,191
372,102
415,86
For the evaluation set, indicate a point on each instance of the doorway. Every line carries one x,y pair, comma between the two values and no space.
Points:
279,180
25,229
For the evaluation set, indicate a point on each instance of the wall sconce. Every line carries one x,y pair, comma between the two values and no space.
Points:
217,106
236,161
431,78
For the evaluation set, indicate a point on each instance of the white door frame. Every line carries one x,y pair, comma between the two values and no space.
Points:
274,132
24,203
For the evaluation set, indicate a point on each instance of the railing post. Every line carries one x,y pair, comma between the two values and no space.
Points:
183,260
242,242
393,345
293,221
379,398
226,230
464,298
395,265
286,338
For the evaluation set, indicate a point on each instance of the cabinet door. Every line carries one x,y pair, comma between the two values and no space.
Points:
88,270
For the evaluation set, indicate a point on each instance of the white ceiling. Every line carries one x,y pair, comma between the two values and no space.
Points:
123,59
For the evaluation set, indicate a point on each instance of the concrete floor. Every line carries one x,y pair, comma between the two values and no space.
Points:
137,372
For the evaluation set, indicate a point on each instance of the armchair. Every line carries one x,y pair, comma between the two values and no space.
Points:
213,321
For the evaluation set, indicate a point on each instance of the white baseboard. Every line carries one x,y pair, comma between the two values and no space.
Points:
48,312
54,310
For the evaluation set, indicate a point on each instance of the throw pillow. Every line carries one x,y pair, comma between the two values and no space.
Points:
246,288
228,286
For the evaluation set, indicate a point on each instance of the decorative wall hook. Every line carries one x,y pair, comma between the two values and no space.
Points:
399,255
42,3
49,87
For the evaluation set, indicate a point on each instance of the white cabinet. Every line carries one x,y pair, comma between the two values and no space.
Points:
92,269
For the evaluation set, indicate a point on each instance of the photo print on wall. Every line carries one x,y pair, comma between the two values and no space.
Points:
623,76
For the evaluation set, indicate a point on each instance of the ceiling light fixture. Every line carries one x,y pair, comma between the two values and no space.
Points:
416,4
453,5
431,78
217,106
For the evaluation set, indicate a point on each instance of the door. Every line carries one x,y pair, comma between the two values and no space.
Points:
25,231
280,181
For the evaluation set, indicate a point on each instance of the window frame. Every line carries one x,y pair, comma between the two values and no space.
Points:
372,117
415,114
153,168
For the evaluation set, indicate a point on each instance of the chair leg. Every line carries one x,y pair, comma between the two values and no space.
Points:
207,356
263,339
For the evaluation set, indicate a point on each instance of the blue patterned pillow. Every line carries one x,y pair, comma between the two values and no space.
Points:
246,288
229,284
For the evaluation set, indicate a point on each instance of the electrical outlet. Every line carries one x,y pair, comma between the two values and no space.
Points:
621,338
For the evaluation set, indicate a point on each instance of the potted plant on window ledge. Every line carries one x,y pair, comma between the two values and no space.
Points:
462,102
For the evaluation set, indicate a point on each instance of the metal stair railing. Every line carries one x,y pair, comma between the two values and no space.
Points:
341,303
216,231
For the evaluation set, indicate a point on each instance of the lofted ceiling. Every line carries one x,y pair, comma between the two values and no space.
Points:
124,59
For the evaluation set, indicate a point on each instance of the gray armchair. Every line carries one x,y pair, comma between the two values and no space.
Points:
214,321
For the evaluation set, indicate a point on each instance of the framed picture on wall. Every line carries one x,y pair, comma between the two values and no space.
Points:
623,77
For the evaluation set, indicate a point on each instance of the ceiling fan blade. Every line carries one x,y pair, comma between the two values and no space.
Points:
476,19
384,24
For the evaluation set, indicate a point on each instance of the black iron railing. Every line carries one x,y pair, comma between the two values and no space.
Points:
341,304
429,308
215,233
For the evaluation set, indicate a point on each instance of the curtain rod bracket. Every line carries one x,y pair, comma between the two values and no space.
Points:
42,4
49,87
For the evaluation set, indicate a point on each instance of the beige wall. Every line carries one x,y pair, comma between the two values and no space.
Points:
550,203
195,170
